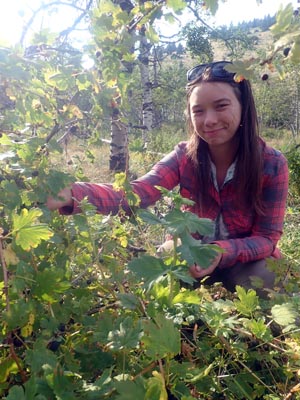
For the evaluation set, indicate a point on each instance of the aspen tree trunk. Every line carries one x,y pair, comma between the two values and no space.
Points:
147,110
118,160
119,153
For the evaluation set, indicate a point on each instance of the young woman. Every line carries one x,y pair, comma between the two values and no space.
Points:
232,176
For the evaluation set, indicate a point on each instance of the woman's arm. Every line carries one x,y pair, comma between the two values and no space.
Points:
267,229
64,199
106,199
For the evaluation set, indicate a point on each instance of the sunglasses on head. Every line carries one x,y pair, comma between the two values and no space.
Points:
217,70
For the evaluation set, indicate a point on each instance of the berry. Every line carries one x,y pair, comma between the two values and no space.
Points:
286,51
53,345
265,77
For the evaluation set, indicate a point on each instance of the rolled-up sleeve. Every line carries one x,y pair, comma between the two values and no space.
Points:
107,200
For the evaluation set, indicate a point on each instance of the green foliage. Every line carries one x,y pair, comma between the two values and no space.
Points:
88,309
198,43
293,157
85,317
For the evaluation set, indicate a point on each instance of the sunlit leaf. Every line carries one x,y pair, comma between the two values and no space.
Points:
294,55
156,389
283,19
176,5
247,302
284,314
26,230
10,256
259,328
242,69
31,236
7,366
187,296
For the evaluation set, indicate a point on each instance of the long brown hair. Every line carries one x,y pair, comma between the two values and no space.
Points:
248,171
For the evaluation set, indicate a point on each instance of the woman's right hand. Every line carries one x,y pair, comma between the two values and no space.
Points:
63,199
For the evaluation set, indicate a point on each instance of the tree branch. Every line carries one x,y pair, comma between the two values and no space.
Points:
77,20
47,6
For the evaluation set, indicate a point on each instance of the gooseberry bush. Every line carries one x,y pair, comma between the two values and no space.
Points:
89,310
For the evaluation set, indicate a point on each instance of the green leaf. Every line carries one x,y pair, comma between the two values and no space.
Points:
283,20
187,296
201,255
27,218
241,386
151,34
126,336
39,356
179,222
242,68
129,390
248,301
284,314
49,283
259,329
128,300
16,393
7,366
294,55
148,217
31,236
176,5
286,40
28,234
156,389
161,338
148,269
10,194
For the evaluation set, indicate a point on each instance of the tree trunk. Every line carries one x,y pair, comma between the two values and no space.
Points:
119,157
147,108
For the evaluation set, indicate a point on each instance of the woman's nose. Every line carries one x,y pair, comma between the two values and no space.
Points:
210,117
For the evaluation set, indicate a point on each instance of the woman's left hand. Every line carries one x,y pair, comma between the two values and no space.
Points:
197,272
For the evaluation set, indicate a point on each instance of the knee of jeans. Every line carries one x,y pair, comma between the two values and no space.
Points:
253,275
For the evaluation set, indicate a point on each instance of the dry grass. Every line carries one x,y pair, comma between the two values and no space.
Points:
76,159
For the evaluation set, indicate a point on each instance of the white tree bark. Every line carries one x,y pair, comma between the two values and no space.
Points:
118,160
147,111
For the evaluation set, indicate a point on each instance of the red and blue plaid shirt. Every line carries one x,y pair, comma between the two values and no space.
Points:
250,236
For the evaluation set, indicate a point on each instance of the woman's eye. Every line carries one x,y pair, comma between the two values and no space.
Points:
221,106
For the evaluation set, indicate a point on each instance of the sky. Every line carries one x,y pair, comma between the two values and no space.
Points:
234,11
15,12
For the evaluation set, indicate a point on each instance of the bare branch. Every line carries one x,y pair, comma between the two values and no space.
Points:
56,128
47,6
77,20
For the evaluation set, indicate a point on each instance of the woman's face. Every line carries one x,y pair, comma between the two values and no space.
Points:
215,112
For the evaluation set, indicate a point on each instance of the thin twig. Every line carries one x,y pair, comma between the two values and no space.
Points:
5,271
49,5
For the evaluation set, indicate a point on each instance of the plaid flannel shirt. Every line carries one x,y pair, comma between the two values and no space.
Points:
250,236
